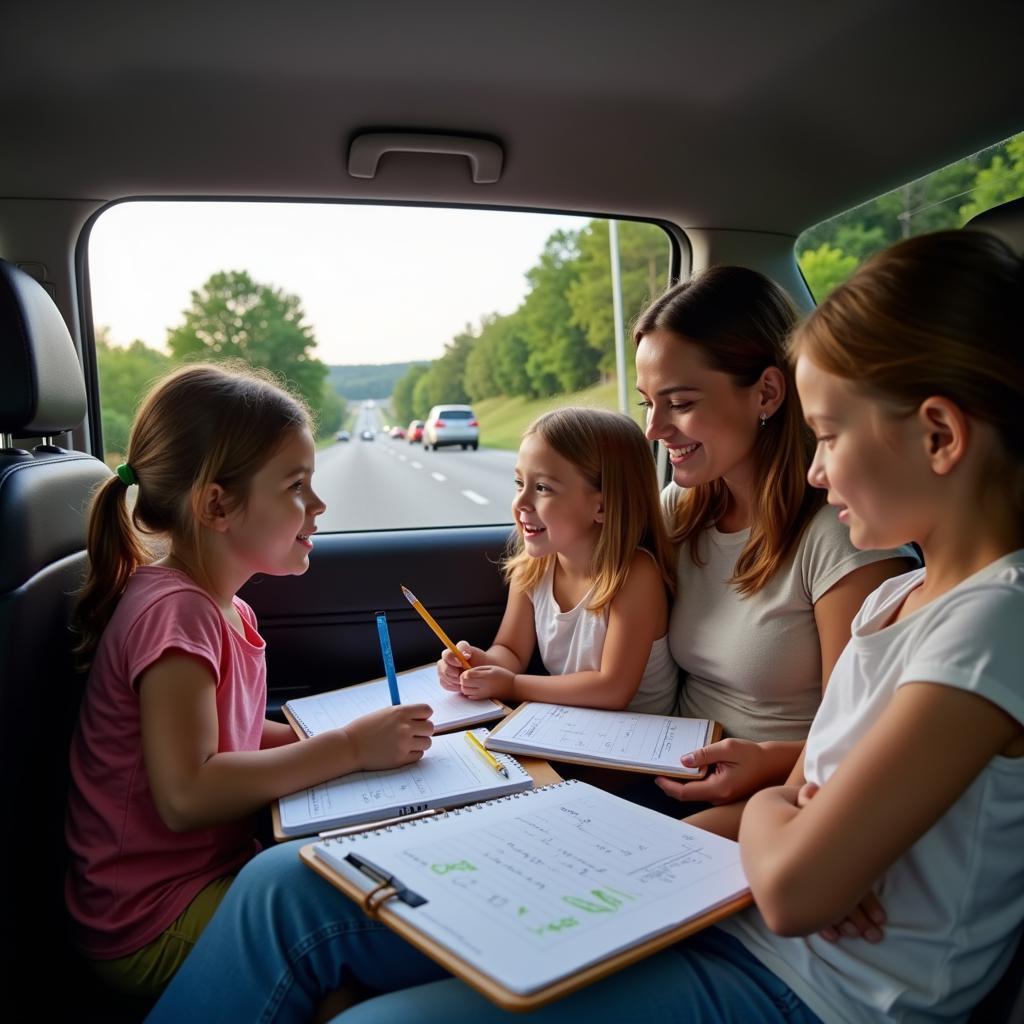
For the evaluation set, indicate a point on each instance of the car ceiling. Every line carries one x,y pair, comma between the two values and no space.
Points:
750,115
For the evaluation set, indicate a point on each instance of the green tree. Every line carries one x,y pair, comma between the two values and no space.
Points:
234,317
443,381
823,268
643,266
1000,182
402,396
125,375
479,380
559,358
331,411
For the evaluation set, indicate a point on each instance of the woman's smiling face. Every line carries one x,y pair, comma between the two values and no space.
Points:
705,419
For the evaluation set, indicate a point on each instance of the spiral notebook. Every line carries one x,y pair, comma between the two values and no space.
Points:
532,896
628,740
320,712
449,774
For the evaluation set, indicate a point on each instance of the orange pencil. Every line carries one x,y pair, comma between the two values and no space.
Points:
429,620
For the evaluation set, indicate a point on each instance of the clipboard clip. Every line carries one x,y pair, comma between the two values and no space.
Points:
387,886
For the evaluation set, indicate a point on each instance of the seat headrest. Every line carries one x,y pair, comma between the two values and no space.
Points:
42,391
1005,221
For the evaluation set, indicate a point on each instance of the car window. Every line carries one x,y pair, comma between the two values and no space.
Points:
829,252
376,315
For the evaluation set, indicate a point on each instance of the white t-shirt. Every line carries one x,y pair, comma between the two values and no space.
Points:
754,663
573,641
955,899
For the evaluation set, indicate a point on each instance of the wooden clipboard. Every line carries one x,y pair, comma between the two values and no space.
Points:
375,903
716,734
503,709
539,770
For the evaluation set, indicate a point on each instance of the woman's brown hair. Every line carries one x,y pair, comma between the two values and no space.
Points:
199,425
613,456
936,315
740,320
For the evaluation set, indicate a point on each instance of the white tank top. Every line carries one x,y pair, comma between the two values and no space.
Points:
573,641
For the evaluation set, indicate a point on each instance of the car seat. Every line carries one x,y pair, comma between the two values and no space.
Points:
44,494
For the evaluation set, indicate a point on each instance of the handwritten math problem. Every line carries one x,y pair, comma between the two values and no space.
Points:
561,875
612,737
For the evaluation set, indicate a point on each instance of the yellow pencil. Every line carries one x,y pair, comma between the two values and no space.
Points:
429,620
493,761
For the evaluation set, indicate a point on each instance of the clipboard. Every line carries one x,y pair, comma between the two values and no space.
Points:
714,734
378,901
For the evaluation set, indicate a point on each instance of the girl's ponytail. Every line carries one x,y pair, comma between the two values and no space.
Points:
115,551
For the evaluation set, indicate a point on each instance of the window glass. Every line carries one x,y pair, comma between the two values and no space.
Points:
829,252
376,314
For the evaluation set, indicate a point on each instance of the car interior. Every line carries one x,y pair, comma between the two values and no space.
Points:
733,127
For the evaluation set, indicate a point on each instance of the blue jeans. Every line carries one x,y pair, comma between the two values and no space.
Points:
283,938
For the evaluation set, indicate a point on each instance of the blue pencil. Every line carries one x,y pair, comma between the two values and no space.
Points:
389,658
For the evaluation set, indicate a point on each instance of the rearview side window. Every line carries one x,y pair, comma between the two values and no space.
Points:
829,252
423,340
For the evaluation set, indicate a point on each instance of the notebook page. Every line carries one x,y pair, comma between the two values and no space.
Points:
532,888
323,711
451,772
614,737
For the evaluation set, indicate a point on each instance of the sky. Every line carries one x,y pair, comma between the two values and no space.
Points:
378,284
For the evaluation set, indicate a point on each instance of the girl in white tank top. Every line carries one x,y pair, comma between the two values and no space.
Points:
589,575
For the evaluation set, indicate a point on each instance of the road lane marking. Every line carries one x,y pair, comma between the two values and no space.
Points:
440,477
416,465
478,498
401,458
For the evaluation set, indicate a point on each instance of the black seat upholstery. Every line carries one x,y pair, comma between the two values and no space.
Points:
44,493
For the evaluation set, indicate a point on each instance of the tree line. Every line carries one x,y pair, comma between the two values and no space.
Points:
560,338
230,317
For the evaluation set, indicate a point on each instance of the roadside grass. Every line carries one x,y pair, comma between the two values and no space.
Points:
503,420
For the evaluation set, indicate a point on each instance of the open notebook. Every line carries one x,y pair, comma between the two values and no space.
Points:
532,896
449,774
616,739
320,712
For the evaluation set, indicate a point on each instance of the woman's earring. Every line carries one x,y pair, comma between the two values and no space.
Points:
764,418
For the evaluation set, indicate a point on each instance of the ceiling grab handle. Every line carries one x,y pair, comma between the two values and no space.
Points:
485,157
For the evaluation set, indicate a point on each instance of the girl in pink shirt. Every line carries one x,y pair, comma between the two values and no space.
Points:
173,752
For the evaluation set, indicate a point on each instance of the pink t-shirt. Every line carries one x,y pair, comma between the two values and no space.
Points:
130,876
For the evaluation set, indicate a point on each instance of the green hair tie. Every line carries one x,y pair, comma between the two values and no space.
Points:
126,474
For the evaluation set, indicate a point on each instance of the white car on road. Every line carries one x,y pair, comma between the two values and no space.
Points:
451,425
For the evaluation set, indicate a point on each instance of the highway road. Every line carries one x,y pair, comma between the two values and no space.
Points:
387,484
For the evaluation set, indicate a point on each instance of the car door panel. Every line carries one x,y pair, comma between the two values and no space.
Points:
320,628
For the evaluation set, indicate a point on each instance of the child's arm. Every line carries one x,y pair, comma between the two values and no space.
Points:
195,786
740,767
276,734
511,650
811,866
638,616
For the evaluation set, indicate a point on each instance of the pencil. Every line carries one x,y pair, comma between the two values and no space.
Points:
389,658
429,620
492,760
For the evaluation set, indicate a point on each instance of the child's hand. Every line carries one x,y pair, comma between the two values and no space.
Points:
737,768
487,681
449,668
390,737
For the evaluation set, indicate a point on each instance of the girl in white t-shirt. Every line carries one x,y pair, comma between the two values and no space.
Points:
589,575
